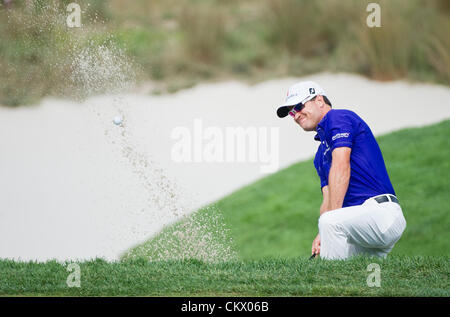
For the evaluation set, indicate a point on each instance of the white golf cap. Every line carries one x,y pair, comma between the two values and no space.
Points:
299,93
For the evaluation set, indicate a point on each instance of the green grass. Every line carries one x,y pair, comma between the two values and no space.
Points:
400,276
177,43
277,215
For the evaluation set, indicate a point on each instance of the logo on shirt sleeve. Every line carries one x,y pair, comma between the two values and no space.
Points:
340,135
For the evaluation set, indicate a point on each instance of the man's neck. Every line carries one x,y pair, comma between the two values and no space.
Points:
324,113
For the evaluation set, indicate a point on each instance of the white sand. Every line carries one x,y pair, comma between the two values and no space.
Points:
73,187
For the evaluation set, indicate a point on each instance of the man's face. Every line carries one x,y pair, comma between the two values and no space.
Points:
311,114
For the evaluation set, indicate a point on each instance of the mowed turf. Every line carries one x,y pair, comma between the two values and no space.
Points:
399,276
277,215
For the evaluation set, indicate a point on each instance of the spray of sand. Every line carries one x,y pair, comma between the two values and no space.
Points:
203,236
104,68
100,68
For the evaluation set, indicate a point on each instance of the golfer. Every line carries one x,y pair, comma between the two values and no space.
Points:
360,213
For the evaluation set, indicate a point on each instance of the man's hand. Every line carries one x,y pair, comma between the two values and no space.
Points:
316,245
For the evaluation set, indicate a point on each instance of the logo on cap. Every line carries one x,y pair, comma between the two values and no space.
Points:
311,90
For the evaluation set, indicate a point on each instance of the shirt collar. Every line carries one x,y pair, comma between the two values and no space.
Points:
316,137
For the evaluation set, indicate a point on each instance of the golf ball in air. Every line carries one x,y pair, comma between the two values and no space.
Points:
117,120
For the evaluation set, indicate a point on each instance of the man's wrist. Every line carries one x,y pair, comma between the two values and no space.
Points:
336,198
335,206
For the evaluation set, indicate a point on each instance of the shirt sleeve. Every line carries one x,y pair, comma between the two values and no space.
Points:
320,171
340,131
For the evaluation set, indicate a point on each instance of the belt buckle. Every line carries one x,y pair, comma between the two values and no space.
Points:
386,198
393,199
382,199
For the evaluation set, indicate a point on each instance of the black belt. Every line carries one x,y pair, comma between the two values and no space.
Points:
385,198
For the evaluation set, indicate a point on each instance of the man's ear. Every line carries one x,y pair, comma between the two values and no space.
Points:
321,101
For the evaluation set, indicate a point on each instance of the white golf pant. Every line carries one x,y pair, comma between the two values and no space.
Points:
371,228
